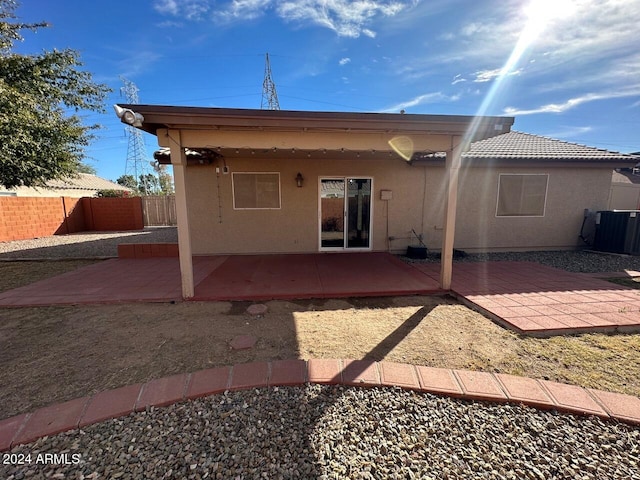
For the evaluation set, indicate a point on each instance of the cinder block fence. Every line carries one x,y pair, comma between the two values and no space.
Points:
31,217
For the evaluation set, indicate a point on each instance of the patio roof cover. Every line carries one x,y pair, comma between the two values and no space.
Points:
230,132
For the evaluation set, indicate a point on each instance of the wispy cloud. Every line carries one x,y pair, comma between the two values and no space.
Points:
188,9
488,75
572,102
243,9
433,97
344,61
458,79
345,17
569,132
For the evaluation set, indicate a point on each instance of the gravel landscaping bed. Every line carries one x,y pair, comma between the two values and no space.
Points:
84,245
339,432
572,261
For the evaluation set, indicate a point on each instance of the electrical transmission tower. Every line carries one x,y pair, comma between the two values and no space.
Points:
137,163
269,94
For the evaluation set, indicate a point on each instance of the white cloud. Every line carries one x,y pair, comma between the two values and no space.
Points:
347,18
245,9
488,75
572,102
188,9
344,61
458,79
421,100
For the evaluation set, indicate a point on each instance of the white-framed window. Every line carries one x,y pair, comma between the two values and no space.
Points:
522,195
256,190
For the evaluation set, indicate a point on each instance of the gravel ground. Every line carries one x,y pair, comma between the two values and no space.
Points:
84,245
339,432
572,261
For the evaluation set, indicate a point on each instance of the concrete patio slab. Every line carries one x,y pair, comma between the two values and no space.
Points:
538,300
526,297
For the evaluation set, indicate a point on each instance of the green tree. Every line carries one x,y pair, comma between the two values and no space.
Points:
165,180
86,168
148,184
41,135
128,181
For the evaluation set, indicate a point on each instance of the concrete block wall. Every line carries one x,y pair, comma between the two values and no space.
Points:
113,214
23,218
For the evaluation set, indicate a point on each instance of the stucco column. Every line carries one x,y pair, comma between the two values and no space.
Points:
179,163
452,173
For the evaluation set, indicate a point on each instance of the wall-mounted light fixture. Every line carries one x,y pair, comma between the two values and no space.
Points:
299,180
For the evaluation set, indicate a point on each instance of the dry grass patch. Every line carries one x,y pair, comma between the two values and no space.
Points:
606,362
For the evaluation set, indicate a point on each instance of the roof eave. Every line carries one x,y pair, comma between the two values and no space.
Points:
165,116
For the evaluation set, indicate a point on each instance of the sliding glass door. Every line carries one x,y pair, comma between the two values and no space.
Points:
345,213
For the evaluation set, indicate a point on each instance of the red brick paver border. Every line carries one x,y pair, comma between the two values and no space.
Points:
467,384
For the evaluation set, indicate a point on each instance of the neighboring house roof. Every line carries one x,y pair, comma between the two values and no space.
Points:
519,145
523,147
86,181
82,185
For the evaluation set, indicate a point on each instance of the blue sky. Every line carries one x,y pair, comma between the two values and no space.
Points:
565,69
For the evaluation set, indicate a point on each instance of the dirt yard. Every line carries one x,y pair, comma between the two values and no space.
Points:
58,353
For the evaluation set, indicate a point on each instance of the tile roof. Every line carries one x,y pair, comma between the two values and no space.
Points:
525,146
86,181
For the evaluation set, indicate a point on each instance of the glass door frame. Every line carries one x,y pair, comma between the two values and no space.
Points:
345,208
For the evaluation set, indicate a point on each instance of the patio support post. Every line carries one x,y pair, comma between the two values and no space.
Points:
179,163
452,172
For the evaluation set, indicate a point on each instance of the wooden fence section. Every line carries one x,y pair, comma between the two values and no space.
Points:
159,210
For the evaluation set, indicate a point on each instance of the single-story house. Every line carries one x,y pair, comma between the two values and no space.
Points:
265,181
84,185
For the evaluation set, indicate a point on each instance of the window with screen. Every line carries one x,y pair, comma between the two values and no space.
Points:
522,195
255,191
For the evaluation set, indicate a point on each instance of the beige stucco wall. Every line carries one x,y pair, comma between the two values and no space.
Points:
219,229
569,192
624,196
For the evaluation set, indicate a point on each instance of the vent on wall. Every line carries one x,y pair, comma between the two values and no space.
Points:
618,231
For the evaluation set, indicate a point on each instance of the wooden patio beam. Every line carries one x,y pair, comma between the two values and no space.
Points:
452,174
179,162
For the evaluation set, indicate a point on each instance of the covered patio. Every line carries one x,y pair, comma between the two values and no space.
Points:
229,277
260,213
